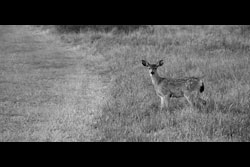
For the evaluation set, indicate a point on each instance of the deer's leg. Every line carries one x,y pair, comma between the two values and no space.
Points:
188,97
162,102
202,101
166,100
199,99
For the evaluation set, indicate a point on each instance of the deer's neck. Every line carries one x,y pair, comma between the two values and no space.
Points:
155,78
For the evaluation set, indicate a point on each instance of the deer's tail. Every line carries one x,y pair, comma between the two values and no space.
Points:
202,86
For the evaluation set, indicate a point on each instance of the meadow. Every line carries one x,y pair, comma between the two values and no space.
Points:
87,83
46,94
132,113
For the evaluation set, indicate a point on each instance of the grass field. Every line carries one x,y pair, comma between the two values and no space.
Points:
56,91
46,94
132,113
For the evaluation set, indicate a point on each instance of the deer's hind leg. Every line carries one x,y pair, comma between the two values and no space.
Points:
199,100
189,99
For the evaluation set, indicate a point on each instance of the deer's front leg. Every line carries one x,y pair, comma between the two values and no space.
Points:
162,102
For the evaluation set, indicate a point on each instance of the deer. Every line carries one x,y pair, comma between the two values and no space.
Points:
189,88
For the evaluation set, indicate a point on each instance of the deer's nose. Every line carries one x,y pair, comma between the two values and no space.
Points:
152,72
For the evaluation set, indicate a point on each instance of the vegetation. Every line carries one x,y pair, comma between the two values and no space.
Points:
45,93
105,28
131,110
221,53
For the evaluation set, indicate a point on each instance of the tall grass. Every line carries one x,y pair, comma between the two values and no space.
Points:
103,28
221,53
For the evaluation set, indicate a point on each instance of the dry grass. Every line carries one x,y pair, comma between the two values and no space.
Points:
132,112
46,94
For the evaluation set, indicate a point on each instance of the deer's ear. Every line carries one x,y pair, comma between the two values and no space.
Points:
160,63
145,63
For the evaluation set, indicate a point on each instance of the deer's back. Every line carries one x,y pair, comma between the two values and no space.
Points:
177,87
